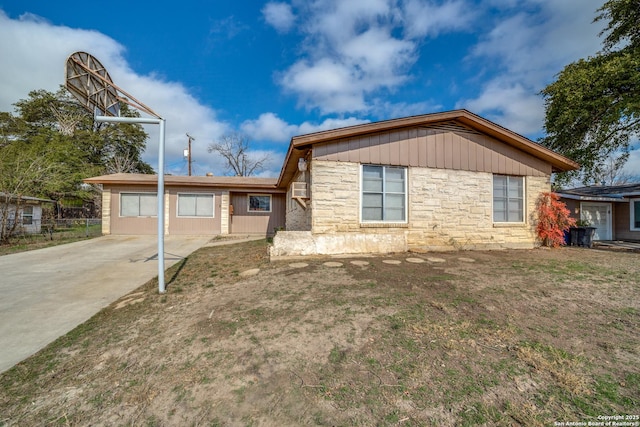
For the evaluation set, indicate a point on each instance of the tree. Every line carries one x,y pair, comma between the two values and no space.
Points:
50,144
593,108
611,172
24,170
234,147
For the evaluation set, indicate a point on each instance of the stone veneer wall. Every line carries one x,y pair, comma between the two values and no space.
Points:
297,217
447,210
224,212
106,211
454,210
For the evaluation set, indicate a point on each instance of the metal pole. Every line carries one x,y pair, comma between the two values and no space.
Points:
189,155
161,122
161,285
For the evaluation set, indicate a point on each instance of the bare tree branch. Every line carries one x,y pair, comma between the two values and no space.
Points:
234,148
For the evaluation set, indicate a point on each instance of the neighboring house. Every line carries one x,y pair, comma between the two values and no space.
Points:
613,210
28,212
441,181
194,205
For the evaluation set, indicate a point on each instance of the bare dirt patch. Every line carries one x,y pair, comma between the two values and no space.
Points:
494,338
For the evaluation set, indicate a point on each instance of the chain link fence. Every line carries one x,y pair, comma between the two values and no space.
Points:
58,229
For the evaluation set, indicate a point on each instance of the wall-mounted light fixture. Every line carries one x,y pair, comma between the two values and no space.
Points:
302,164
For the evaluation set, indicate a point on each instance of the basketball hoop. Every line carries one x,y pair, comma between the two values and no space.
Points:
88,80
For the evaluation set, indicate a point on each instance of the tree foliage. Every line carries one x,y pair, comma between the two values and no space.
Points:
593,108
50,144
234,148
553,219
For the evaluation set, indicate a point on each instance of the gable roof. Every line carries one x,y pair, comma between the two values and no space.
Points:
301,144
231,182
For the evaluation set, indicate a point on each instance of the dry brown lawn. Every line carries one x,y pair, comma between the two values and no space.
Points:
527,338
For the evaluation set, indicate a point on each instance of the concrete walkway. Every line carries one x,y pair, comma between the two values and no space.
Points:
47,292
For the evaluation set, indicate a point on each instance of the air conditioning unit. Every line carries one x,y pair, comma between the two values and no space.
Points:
299,190
300,193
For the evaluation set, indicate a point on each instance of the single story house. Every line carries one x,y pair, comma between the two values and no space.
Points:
441,181
614,210
194,205
26,210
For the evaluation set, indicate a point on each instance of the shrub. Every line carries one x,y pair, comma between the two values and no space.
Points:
553,219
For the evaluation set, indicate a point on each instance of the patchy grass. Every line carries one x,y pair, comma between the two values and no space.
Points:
515,338
29,242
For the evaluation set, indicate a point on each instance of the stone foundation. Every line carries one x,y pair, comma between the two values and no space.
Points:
304,243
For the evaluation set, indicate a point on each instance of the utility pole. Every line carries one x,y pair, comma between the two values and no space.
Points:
189,152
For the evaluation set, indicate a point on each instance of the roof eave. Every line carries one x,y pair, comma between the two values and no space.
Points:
558,162
153,181
591,198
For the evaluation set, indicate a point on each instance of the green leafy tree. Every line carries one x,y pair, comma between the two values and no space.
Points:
50,144
593,108
25,170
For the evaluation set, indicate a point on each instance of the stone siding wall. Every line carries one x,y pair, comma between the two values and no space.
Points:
335,188
224,212
106,211
447,210
454,210
298,218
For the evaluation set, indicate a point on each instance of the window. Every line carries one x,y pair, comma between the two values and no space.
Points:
138,204
195,205
635,214
27,215
384,193
508,198
259,203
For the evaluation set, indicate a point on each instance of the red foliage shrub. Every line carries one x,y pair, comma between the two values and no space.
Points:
553,219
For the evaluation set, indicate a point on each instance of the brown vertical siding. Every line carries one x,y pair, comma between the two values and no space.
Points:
622,222
193,225
445,146
244,222
131,225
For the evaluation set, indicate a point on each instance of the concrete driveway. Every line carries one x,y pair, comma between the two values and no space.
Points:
47,292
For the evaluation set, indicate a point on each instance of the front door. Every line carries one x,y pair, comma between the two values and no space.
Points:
599,216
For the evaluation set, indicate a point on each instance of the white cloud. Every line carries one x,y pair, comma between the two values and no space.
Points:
279,15
328,124
326,84
35,52
38,52
270,127
424,18
523,53
392,110
509,104
357,51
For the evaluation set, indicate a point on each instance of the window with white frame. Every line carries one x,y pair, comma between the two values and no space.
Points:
27,215
384,193
508,198
138,204
634,211
195,204
259,203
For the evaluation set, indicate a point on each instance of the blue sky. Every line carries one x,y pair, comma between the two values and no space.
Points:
275,69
